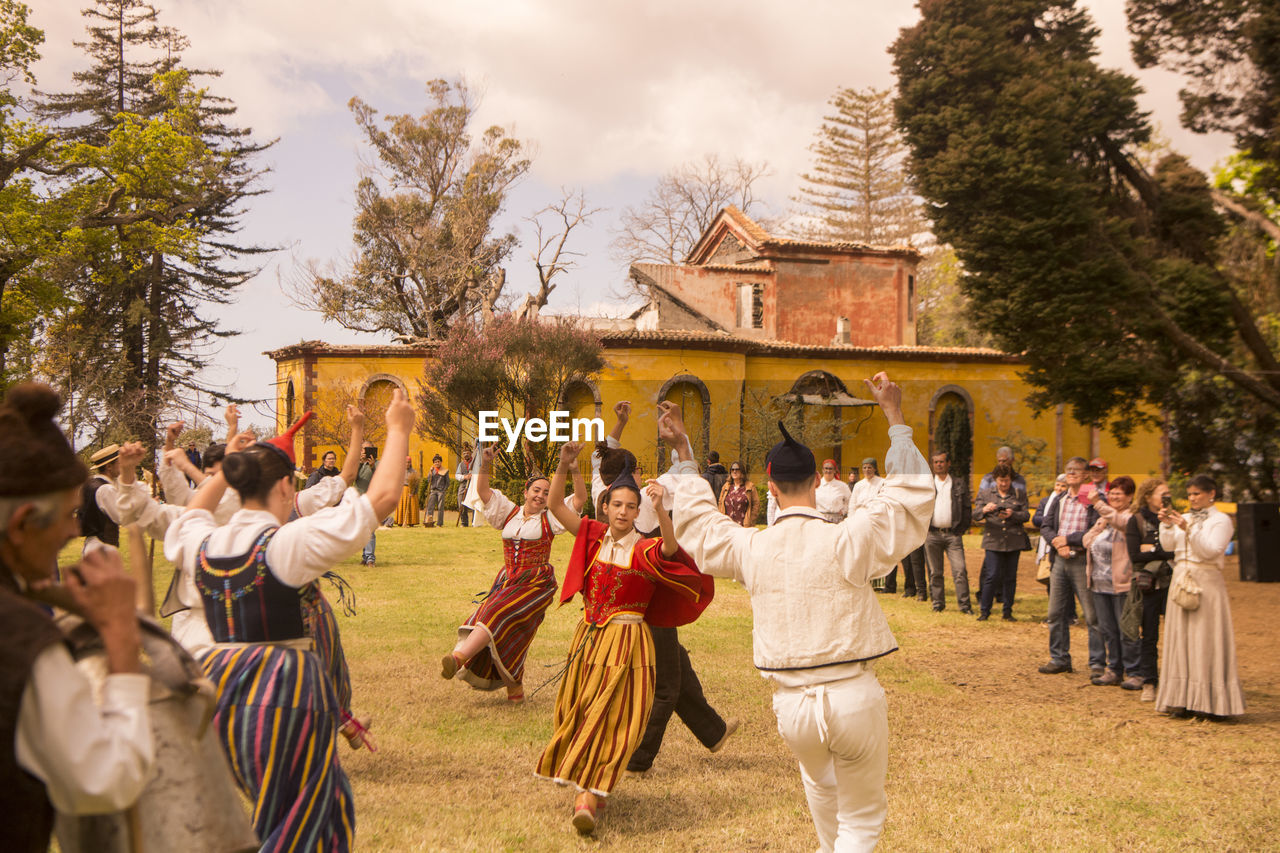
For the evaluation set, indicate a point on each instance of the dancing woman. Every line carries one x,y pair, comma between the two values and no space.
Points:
607,690
276,712
494,640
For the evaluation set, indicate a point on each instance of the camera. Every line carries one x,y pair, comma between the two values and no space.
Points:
370,453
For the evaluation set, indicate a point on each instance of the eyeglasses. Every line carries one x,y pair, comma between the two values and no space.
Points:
735,468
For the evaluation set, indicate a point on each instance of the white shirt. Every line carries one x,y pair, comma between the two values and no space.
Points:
1203,543
520,526
814,612
942,504
93,758
864,490
832,497
299,552
618,551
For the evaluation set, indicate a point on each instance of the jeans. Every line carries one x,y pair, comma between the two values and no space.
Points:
1066,584
915,576
435,503
934,544
464,515
839,732
1153,604
999,574
676,690
366,556
1122,653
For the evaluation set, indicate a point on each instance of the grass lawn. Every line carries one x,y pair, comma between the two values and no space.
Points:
985,753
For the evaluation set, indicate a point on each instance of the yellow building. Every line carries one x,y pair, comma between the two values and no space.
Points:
707,340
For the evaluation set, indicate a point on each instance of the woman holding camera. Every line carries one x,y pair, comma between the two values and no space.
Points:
1198,668
1152,572
1003,511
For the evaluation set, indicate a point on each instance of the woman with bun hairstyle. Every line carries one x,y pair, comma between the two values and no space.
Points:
276,712
626,581
494,640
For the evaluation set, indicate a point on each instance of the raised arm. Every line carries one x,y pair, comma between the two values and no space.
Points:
351,465
232,417
656,493
208,496
555,500
622,413
579,490
486,471
385,487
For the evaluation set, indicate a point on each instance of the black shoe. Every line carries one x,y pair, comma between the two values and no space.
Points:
908,593
1052,668
922,598
1009,617
967,611
937,609
983,617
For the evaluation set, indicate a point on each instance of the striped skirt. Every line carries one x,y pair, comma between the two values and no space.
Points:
407,509
511,613
277,719
322,626
602,707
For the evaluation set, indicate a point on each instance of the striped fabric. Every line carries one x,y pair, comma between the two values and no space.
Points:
407,509
277,718
322,627
602,707
511,613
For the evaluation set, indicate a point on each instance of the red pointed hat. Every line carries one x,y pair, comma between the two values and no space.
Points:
283,443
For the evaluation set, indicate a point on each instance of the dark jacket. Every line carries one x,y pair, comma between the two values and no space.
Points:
1144,529
961,511
717,475
1049,529
1002,534
1037,520
320,473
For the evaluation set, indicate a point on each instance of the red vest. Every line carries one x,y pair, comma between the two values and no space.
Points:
668,593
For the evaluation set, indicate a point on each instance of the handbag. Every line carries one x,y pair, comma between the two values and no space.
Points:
1185,591
1143,581
1044,567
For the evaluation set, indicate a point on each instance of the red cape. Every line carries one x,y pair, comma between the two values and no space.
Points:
679,601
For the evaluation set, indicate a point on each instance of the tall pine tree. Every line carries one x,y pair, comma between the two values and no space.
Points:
171,175
859,189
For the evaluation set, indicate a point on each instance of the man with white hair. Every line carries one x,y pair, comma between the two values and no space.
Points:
59,746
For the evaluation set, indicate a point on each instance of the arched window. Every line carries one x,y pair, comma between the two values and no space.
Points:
691,395
580,398
289,404
823,399
951,426
375,396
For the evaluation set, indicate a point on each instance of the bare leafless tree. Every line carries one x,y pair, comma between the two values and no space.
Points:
551,227
667,224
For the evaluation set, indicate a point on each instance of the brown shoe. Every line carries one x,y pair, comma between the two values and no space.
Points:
1107,679
1148,693
584,813
449,665
730,727
1133,682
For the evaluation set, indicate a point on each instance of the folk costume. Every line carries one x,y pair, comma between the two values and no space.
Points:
831,710
1198,650
407,509
277,713
515,605
607,691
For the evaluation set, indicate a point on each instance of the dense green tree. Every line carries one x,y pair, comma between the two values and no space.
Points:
954,434
1103,276
164,176
426,252
1229,53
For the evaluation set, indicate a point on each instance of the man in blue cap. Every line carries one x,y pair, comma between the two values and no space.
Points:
831,710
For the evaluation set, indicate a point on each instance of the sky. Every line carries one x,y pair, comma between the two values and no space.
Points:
611,96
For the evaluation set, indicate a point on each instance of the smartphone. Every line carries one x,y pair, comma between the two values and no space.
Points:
1166,501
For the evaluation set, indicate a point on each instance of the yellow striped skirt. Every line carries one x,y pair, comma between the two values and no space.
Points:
602,707
407,509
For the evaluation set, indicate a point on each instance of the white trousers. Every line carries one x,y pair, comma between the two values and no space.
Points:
839,732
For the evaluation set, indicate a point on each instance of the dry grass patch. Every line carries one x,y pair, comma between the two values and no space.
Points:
985,753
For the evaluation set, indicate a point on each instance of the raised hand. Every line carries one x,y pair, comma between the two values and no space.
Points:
488,453
355,417
887,395
241,441
622,411
656,492
232,416
569,452
400,413
131,454
171,433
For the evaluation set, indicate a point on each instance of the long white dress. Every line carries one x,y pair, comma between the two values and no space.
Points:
1198,649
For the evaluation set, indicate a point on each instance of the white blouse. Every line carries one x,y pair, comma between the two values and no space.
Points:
521,526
